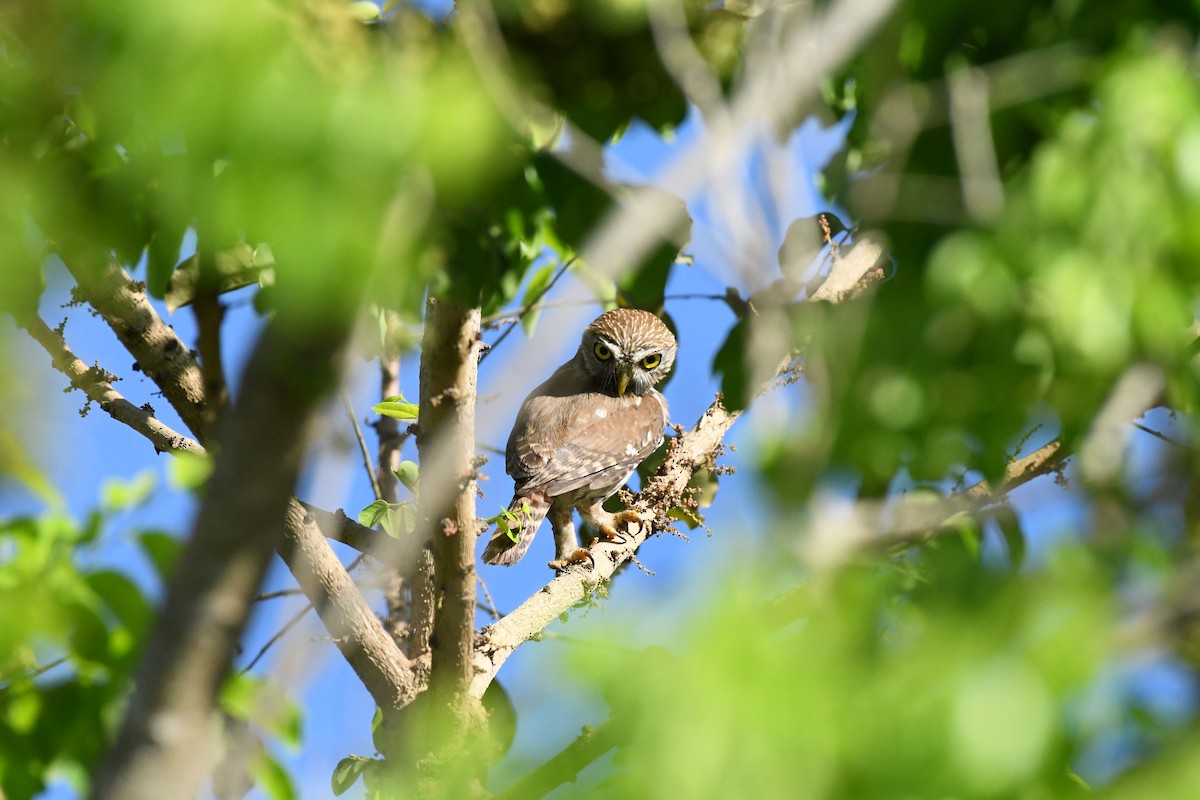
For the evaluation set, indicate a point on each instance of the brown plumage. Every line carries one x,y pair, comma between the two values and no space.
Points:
580,435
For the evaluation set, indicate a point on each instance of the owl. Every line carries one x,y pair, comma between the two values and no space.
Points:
581,434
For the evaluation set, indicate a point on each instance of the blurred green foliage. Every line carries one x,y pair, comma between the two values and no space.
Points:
334,155
69,641
865,684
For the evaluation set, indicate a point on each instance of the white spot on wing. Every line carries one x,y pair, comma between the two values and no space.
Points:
630,450
637,400
601,412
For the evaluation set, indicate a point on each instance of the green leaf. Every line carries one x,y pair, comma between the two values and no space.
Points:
118,494
162,254
162,550
396,521
372,514
1014,536
408,473
273,779
730,364
123,598
347,771
89,635
533,292
188,471
970,535
396,409
253,699
364,11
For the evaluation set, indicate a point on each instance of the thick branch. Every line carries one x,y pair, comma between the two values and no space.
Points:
95,382
446,502
372,653
163,747
160,353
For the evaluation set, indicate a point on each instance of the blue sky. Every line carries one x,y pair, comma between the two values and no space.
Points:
80,453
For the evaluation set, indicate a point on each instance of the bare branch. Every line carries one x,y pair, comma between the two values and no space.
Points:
96,383
209,315
446,502
388,430
161,355
371,652
292,622
362,446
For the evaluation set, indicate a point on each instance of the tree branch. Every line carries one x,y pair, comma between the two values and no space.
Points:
161,355
446,502
162,749
96,383
372,654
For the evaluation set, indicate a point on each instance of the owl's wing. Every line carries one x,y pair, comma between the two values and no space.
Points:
563,443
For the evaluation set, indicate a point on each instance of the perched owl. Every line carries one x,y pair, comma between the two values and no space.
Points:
581,434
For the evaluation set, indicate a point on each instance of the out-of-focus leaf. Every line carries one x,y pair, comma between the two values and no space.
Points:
347,772
1014,535
163,551
239,266
123,598
409,474
88,634
533,293
162,254
16,464
118,494
730,364
188,471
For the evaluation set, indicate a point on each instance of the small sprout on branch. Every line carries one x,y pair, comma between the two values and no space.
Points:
396,407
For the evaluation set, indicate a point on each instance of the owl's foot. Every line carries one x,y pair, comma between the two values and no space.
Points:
618,529
580,556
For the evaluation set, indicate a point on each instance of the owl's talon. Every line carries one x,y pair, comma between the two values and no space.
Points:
580,556
608,533
624,518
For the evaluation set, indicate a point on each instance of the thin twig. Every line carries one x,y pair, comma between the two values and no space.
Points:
278,594
532,303
1163,436
362,446
491,607
291,623
33,671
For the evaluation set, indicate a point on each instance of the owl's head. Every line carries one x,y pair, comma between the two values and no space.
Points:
625,350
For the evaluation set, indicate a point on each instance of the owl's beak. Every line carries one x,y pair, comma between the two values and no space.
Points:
623,380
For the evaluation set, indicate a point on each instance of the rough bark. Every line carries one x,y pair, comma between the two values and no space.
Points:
446,503
373,655
161,355
96,383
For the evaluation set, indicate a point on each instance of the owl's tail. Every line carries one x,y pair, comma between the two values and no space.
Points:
514,533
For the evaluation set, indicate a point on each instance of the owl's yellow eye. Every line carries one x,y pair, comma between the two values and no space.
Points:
651,361
602,351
